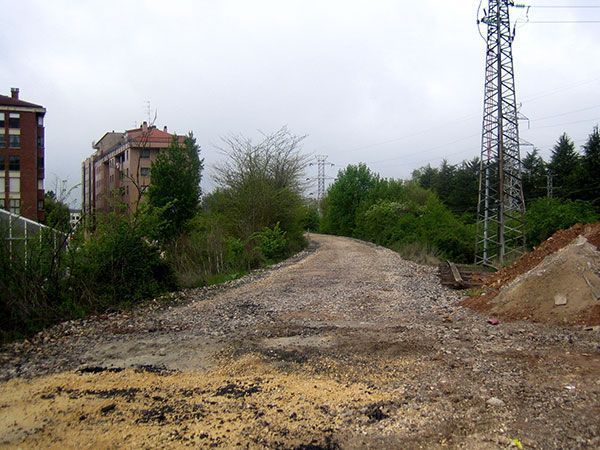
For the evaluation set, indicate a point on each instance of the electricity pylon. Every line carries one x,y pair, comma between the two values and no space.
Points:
501,207
321,163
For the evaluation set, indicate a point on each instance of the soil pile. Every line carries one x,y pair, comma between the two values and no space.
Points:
558,282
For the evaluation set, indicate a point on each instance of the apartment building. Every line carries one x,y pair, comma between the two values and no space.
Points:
22,156
116,176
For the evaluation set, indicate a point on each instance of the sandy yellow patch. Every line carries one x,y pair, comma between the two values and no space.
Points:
244,402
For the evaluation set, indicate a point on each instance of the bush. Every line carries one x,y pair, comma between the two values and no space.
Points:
32,284
410,225
120,265
545,216
272,243
113,267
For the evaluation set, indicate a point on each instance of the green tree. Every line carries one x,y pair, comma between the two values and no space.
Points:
57,213
464,189
455,185
444,186
351,187
564,167
591,169
534,176
260,185
547,215
426,176
174,189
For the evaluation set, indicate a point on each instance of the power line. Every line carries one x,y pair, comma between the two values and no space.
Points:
424,151
566,113
542,94
562,21
566,123
530,99
565,6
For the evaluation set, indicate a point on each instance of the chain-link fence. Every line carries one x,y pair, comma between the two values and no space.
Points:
21,236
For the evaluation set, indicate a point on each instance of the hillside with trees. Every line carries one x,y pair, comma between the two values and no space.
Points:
433,215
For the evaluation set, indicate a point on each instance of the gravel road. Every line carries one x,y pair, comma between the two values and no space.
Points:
346,345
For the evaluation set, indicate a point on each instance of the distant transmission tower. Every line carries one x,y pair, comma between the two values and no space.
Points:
500,209
321,163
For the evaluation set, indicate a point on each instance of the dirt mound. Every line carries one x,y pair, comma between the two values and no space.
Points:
529,260
558,282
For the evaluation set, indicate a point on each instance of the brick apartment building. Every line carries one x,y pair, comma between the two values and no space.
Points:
22,156
117,174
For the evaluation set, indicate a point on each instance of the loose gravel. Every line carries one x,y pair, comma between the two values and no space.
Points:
346,345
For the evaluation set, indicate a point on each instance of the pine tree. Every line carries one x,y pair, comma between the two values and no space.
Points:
534,176
591,168
565,166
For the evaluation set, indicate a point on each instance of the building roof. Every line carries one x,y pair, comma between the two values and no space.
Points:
149,134
108,135
14,102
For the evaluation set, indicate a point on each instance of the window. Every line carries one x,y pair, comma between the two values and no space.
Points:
14,120
40,163
2,124
40,141
41,205
145,171
2,138
145,153
15,141
14,206
14,163
2,166
14,185
2,189
40,120
41,184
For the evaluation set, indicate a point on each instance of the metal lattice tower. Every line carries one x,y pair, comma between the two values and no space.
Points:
500,209
321,163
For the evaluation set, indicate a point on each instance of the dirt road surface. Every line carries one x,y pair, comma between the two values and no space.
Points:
344,346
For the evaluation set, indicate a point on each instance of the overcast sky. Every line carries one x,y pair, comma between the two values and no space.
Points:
395,84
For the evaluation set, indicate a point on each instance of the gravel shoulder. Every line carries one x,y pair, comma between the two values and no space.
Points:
345,346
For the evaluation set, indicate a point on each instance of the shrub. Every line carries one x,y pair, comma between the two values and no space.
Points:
548,215
415,219
272,243
32,284
118,265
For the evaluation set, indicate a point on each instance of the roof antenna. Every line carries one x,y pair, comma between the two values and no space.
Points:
151,118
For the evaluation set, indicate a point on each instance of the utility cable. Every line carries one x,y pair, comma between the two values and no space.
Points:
563,21
565,6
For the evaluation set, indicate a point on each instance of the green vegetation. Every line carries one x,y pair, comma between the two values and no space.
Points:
174,190
547,215
57,213
433,216
558,193
175,239
400,215
257,216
